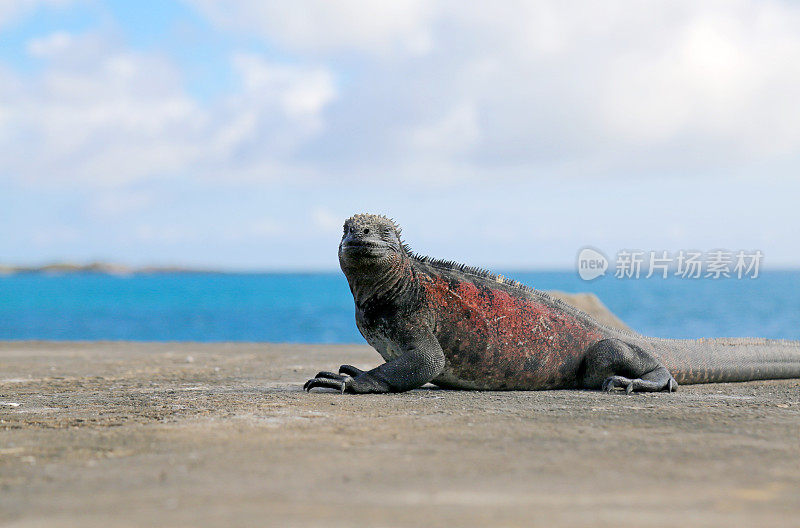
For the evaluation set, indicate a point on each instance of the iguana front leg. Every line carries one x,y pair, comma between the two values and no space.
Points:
422,360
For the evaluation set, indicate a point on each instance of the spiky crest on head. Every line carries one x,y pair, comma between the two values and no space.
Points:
365,218
360,219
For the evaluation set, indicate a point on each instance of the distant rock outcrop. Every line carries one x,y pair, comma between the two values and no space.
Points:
591,304
96,267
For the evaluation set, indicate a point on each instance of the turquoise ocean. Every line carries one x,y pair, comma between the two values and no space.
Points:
318,308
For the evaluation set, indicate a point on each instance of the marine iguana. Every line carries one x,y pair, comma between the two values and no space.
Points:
462,327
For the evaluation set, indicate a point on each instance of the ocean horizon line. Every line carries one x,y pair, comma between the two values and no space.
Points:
110,268
113,268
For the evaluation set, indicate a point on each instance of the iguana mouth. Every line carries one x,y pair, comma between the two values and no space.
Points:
364,245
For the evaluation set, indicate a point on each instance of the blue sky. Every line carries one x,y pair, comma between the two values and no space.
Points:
241,134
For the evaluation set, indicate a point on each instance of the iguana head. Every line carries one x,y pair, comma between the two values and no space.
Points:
370,248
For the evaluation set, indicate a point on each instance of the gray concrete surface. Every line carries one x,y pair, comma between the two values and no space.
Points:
131,434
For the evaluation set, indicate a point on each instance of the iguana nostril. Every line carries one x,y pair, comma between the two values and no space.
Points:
366,230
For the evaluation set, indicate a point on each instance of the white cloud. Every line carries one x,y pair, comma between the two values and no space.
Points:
321,25
97,114
725,82
456,131
52,45
11,10
423,91
101,115
300,93
115,203
327,221
548,86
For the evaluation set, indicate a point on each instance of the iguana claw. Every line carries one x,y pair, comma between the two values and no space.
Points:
614,382
350,370
619,382
638,385
329,380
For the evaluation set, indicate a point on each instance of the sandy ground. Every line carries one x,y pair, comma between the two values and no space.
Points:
127,434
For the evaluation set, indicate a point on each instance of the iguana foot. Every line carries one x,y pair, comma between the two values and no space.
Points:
614,364
330,380
638,385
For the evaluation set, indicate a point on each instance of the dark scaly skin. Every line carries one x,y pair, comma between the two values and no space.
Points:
464,328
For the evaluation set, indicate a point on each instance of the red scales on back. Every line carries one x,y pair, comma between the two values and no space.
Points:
500,337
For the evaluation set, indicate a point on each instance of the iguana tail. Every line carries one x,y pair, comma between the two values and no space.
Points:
728,359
